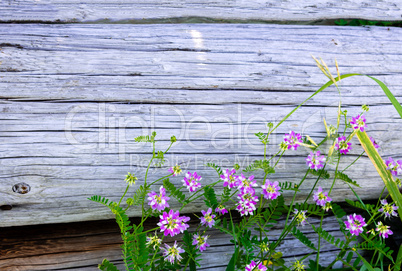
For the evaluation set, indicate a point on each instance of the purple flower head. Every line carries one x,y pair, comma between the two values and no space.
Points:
200,241
229,179
374,143
270,190
359,122
292,140
388,209
176,170
191,181
221,210
383,230
300,217
208,218
321,198
172,223
243,182
158,201
355,224
172,253
253,266
245,208
394,167
342,146
248,194
315,160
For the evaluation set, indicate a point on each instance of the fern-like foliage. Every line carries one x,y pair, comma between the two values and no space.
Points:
217,168
262,137
260,164
140,194
210,197
302,238
377,245
288,186
108,266
174,191
101,200
145,139
357,204
225,197
160,156
329,237
323,173
272,214
191,254
339,214
224,226
313,209
346,179
313,266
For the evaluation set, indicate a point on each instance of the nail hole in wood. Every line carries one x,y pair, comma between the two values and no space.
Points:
21,188
6,207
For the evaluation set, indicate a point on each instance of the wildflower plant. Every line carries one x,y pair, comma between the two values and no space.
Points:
260,203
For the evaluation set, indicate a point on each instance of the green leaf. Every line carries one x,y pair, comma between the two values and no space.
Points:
210,197
108,266
140,195
346,179
174,191
381,168
398,261
233,260
302,238
217,168
329,238
323,173
101,200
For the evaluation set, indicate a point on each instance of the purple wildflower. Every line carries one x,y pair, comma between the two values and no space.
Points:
359,122
175,170
270,190
388,209
200,241
208,218
343,146
158,201
355,224
315,160
300,217
229,179
221,210
191,181
243,182
321,198
374,143
292,140
254,267
172,223
394,167
383,229
172,253
245,208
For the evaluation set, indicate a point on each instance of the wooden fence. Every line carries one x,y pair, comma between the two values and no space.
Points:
79,81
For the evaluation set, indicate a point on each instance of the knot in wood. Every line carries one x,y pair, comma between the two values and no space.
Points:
21,188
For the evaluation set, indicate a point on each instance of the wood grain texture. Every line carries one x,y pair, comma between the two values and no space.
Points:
140,10
82,246
73,97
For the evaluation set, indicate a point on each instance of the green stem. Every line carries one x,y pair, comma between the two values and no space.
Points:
336,171
353,161
125,192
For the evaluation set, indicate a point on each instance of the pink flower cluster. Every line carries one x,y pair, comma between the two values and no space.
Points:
230,179
253,266
388,209
208,218
247,201
355,224
315,160
292,140
172,253
191,181
271,190
200,241
342,146
158,201
321,198
359,123
394,166
172,223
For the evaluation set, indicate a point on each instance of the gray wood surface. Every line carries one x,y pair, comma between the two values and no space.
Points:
82,246
189,10
73,97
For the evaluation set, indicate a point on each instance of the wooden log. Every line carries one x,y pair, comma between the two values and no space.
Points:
169,11
73,97
83,245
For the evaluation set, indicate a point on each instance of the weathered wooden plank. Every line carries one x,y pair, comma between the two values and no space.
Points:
82,246
141,11
72,101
